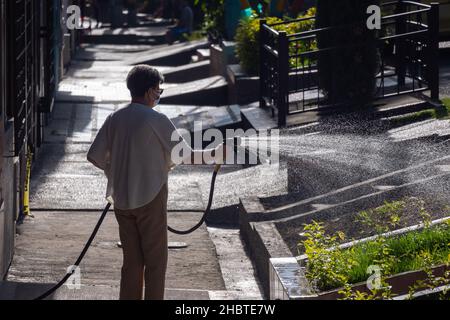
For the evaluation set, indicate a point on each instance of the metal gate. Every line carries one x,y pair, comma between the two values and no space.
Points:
24,62
408,60
28,70
50,50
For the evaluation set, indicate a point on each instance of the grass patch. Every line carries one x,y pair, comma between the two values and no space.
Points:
194,36
408,250
438,113
446,111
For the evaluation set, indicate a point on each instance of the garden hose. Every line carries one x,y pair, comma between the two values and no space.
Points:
208,208
102,218
80,258
236,141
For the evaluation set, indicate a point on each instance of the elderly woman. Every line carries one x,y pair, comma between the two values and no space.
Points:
134,149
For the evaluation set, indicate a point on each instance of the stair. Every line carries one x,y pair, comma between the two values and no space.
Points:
257,118
359,196
174,55
124,36
186,73
211,117
210,91
203,54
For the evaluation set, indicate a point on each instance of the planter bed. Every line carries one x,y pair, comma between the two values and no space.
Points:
288,279
403,254
288,282
400,284
354,229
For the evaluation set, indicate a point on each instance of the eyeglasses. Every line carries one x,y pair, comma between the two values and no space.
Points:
160,91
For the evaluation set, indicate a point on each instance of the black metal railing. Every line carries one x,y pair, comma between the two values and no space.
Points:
25,69
407,46
50,49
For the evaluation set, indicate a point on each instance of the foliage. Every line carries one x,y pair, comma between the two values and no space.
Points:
247,39
437,113
384,218
431,281
330,266
213,17
326,267
247,43
196,35
446,111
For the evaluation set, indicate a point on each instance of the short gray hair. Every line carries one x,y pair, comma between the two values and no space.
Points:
141,78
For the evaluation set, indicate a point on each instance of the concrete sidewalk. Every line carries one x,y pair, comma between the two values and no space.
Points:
48,244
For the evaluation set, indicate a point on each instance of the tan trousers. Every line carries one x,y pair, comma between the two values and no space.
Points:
143,233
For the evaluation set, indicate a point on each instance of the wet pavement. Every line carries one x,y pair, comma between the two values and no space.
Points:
344,166
343,151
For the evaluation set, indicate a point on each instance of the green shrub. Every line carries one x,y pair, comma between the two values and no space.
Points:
213,16
247,40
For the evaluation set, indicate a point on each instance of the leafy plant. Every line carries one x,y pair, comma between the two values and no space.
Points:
330,266
431,281
383,218
326,267
213,17
248,40
196,35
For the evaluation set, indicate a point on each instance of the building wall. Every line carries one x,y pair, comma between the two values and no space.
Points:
8,205
29,73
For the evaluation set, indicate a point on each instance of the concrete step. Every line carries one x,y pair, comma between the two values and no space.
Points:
215,117
203,54
143,20
148,21
98,54
236,266
389,107
139,35
379,194
95,90
210,91
174,55
359,196
188,72
257,118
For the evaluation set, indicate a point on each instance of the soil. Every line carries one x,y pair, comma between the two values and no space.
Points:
353,228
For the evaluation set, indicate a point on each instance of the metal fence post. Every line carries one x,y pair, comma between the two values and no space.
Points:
283,78
433,51
400,52
262,58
